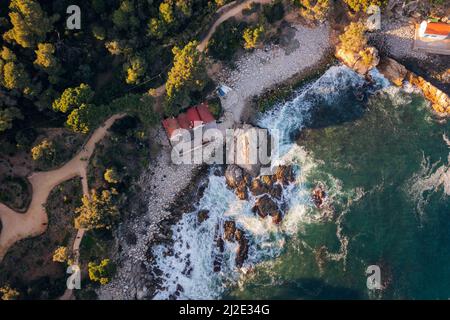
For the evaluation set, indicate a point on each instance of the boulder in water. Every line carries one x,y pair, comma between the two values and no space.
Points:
202,215
284,175
318,196
266,206
234,176
238,180
392,70
229,228
242,252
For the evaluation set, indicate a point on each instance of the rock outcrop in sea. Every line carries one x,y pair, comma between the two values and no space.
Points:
397,74
355,61
267,189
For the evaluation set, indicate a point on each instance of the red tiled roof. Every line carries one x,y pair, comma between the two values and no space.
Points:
193,117
183,121
170,125
438,28
204,113
199,114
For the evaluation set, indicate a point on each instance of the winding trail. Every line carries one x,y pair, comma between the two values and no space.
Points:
230,10
18,226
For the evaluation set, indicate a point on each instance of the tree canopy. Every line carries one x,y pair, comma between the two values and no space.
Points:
73,98
97,212
101,272
30,23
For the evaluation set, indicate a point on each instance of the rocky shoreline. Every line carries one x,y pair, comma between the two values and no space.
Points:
174,190
167,191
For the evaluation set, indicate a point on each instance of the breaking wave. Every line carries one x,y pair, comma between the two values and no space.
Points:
187,265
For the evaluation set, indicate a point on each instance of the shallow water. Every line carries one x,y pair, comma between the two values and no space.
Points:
384,165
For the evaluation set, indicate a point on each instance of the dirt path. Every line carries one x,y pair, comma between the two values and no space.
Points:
232,12
18,226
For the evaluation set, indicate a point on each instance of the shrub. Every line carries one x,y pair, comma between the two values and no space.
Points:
101,272
362,5
8,293
252,37
97,212
45,150
273,12
61,254
353,38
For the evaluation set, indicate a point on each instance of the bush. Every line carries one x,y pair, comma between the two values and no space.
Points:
362,5
226,40
353,38
101,272
215,107
97,212
273,12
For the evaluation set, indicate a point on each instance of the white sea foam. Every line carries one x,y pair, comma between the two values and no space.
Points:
189,269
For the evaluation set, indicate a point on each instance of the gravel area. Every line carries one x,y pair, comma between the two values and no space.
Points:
161,183
264,68
396,38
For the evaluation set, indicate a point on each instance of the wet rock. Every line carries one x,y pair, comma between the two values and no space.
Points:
229,228
258,188
234,175
284,175
354,60
276,191
266,206
277,217
392,70
202,215
238,180
242,252
318,196
241,191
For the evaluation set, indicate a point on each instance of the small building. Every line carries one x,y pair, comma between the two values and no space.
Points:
433,37
434,30
194,118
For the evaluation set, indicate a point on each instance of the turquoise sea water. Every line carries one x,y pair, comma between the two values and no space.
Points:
384,164
388,178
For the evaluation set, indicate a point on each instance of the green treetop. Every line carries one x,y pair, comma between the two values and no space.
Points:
97,212
73,98
30,23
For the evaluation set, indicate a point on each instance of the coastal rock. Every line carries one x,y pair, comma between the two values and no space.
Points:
393,71
440,100
276,191
266,206
229,228
202,215
285,175
218,258
397,73
354,59
258,188
238,180
234,176
242,252
247,140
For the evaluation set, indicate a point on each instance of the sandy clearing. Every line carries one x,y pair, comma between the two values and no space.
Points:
18,226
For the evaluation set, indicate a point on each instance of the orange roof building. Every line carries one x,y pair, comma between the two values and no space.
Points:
193,117
436,30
